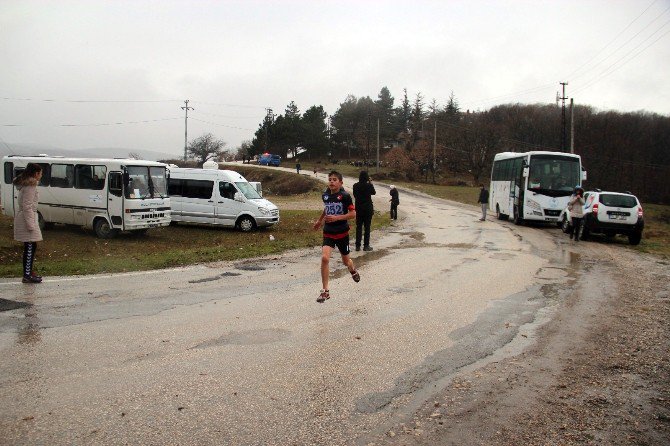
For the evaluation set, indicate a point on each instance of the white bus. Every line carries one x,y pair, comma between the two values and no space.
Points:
533,186
106,195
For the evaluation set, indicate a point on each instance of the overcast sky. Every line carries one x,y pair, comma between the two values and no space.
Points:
82,74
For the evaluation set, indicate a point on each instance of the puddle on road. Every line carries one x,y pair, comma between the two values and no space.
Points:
8,305
248,337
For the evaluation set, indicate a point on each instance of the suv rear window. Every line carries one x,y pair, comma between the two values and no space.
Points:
618,201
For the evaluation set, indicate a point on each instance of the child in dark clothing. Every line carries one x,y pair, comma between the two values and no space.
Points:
338,208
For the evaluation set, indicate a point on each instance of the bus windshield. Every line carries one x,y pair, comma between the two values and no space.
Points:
146,182
555,176
248,190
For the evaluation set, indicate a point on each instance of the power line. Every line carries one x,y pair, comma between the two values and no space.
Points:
222,125
95,124
611,41
85,101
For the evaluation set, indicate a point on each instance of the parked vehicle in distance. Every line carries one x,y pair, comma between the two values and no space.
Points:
106,195
267,159
609,213
218,197
533,186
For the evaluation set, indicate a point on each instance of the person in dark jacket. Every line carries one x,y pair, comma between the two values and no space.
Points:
395,201
484,200
363,192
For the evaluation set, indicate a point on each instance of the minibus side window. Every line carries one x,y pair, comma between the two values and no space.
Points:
115,183
9,167
62,175
90,177
46,173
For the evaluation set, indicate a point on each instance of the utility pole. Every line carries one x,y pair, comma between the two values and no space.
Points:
377,145
434,149
572,125
563,121
186,108
268,120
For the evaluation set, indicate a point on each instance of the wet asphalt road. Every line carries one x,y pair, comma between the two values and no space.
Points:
240,353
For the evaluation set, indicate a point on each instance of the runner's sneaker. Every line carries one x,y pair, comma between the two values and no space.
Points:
355,276
325,294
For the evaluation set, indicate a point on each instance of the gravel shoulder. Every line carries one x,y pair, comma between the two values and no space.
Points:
597,373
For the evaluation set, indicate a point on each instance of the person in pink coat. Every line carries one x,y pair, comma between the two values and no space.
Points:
26,225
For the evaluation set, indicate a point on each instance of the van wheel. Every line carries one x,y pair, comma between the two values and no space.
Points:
103,229
246,224
635,238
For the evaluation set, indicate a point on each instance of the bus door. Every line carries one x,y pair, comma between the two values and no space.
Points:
115,199
516,188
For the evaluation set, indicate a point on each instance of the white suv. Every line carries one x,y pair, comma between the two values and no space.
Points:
609,213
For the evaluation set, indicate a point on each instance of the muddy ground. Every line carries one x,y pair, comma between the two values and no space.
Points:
599,373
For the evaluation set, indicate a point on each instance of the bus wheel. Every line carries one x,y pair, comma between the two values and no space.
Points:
517,219
43,224
103,229
246,224
498,214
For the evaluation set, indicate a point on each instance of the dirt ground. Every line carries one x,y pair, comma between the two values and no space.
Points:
598,373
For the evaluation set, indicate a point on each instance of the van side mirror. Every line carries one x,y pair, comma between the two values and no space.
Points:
526,170
238,197
583,175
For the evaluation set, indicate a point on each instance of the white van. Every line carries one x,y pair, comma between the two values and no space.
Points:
218,197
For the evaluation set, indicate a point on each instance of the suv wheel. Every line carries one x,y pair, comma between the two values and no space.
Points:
517,218
635,238
565,224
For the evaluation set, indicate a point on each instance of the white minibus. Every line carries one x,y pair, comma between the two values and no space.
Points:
106,195
533,185
218,197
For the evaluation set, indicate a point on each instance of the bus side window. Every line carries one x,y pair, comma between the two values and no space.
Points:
46,173
115,183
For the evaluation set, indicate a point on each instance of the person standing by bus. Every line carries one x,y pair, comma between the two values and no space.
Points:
576,208
363,192
395,201
26,223
484,200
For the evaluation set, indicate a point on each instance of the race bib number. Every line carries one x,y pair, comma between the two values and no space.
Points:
334,209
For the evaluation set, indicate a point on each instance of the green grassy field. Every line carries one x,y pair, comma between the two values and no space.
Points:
71,250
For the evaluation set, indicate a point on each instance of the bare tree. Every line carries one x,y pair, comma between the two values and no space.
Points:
205,147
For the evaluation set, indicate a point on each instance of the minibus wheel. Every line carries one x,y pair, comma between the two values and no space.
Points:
246,223
103,229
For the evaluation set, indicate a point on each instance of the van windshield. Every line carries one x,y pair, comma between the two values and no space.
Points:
248,190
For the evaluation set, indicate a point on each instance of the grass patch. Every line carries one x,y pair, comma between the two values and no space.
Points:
69,250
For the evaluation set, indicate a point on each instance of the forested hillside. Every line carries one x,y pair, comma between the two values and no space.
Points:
621,151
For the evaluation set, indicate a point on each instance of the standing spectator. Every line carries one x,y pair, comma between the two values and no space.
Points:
363,192
395,201
338,207
297,166
315,170
26,223
576,208
484,200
